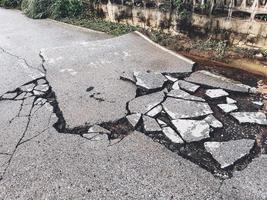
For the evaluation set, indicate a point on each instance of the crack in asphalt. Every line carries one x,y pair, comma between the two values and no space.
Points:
20,58
119,129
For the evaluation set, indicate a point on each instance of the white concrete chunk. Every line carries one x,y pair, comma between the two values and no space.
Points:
250,117
183,109
227,153
172,135
175,86
155,111
161,123
149,81
98,129
189,87
207,78
170,78
145,103
150,124
192,130
213,122
216,93
133,119
184,95
230,100
228,107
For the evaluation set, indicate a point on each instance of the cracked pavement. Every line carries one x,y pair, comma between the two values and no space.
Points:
44,155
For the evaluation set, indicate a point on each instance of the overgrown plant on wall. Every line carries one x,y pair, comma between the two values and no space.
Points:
52,8
10,3
183,11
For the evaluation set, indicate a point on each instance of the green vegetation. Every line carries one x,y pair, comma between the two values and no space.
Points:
36,9
184,13
52,8
219,46
101,25
69,11
10,3
66,8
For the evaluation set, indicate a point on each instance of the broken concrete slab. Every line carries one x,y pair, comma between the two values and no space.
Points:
213,122
230,100
133,119
153,112
172,135
192,130
216,93
98,129
209,79
182,109
227,153
149,81
187,86
250,117
150,124
145,103
227,108
180,94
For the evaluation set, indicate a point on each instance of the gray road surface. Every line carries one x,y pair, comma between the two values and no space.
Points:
37,162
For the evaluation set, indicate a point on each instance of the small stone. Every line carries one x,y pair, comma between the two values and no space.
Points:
228,107
150,124
96,136
27,88
189,87
175,86
98,129
250,117
161,123
172,135
227,153
183,95
145,103
41,82
259,55
216,93
230,100
42,88
36,92
170,78
253,90
213,122
149,81
133,119
258,103
155,111
192,130
183,109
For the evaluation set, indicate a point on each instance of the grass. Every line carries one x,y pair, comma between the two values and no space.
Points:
101,25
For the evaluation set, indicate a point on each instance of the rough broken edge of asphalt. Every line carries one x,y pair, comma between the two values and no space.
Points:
117,133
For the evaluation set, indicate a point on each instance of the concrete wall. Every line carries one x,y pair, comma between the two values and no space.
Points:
247,32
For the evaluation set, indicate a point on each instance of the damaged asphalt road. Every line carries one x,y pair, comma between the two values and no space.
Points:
44,151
